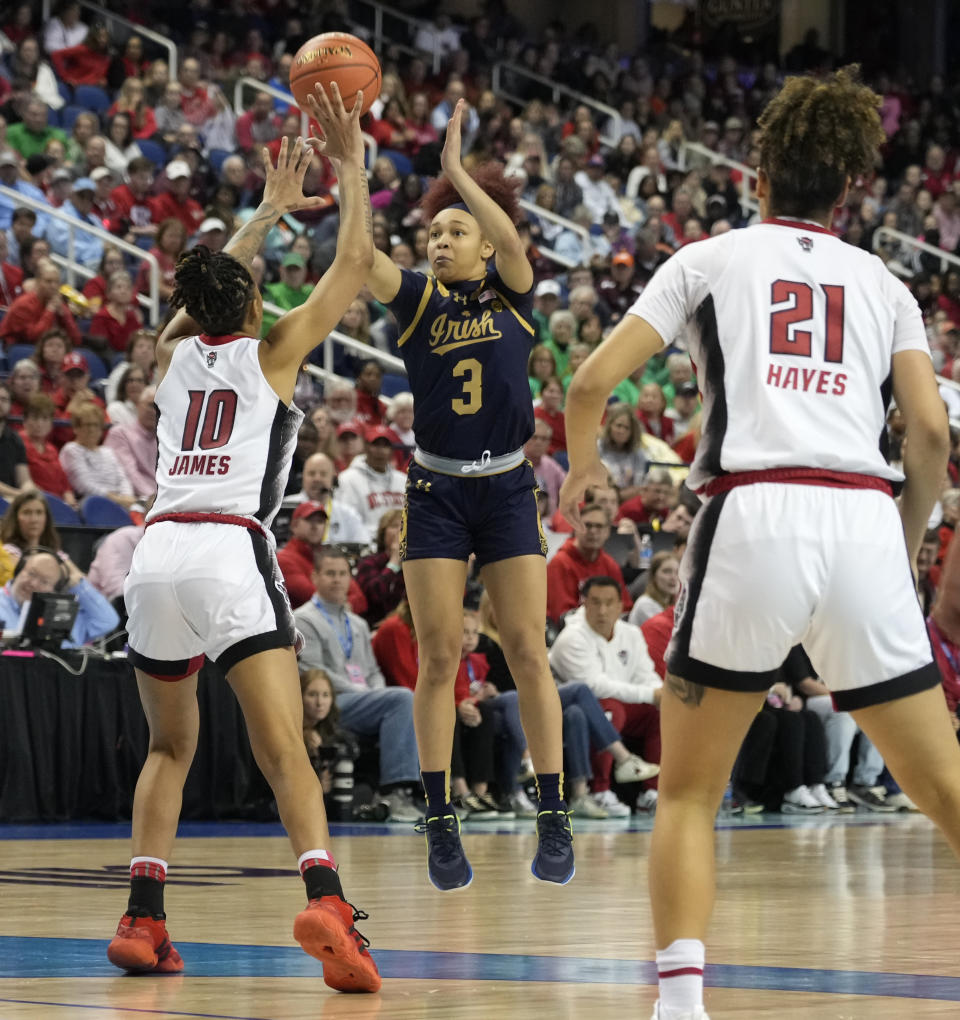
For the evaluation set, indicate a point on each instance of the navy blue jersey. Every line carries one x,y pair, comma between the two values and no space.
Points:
466,348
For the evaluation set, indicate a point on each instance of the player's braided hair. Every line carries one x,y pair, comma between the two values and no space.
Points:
817,132
214,288
489,176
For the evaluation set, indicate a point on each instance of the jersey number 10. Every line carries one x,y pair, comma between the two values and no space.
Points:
800,312
219,413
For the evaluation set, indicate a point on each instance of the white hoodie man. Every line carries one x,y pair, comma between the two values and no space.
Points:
372,485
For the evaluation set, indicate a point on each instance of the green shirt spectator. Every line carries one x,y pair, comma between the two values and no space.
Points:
546,300
563,331
31,135
290,291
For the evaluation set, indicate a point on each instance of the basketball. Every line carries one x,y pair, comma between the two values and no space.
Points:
336,57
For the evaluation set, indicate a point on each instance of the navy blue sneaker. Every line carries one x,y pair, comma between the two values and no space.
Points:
554,859
447,864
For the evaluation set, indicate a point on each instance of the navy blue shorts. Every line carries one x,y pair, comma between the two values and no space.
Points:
494,516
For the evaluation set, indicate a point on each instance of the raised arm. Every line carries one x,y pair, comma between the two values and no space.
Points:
300,330
282,194
495,225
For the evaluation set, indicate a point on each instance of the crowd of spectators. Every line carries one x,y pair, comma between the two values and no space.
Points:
94,127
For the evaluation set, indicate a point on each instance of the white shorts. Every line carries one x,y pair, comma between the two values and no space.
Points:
772,565
207,589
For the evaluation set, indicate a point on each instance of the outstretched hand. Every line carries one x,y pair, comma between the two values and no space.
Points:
342,140
450,156
284,184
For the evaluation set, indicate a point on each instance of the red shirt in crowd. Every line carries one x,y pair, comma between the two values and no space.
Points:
556,421
568,569
661,427
143,124
80,65
166,206
46,472
10,279
371,410
131,210
295,560
473,670
396,650
117,334
28,317
656,632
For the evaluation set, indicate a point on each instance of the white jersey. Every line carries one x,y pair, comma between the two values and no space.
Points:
792,333
225,439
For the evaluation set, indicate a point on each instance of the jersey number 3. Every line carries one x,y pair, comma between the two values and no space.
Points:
801,311
472,399
219,412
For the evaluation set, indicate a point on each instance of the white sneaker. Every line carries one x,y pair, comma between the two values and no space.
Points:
523,806
586,807
634,770
800,802
901,801
614,808
821,795
647,802
401,807
697,1014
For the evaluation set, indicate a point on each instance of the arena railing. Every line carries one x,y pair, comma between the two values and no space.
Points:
905,240
748,176
245,82
134,29
75,270
557,89
547,214
380,37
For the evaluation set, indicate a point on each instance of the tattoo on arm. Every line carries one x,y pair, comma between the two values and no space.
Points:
367,208
248,240
688,693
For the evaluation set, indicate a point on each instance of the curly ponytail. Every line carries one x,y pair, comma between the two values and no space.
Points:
815,134
490,176
214,288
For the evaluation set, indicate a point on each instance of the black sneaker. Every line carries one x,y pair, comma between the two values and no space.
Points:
502,807
839,793
554,859
872,797
447,864
471,808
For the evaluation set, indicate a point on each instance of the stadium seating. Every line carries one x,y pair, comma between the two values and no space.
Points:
100,512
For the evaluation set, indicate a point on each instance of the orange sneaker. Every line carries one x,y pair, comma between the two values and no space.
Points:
326,931
142,944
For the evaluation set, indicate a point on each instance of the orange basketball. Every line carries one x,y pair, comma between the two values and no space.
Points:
336,57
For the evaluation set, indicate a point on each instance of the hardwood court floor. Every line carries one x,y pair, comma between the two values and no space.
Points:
835,918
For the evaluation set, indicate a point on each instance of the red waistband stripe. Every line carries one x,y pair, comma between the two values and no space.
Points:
199,518
797,476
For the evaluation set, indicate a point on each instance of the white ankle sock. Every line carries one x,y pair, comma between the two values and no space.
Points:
680,968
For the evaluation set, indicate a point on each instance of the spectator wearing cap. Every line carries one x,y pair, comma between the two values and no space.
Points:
74,386
136,446
598,196
349,444
212,233
620,289
31,135
290,291
546,300
59,187
104,182
686,401
10,178
43,308
87,248
177,201
733,143
343,523
118,317
133,215
372,485
309,527
43,460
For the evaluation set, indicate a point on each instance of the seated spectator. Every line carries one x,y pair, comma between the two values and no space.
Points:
663,587
579,558
118,319
548,473
212,233
563,331
33,252
610,656
258,125
371,407
338,641
141,352
926,569
111,564
23,221
340,400
621,288
95,289
24,381
27,523
372,484
31,135
654,500
395,646
49,353
168,112
93,470
171,242
131,101
87,63
679,371
85,127
379,575
332,749
65,28
290,291
43,460
133,216
135,446
650,411
31,315
326,431
176,202
349,444
400,416
73,390
578,354
40,570
14,472
620,450
123,410
344,524
550,410
686,403
87,249
25,63
120,147
541,366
